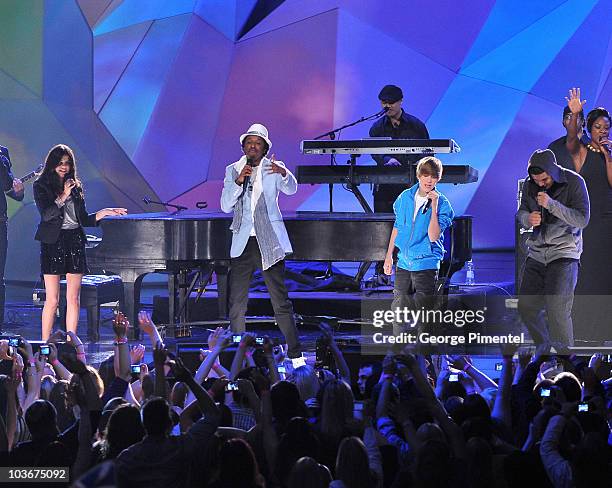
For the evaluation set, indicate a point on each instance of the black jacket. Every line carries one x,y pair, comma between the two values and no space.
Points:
52,216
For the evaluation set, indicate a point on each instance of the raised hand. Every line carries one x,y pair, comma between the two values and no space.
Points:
248,340
160,353
26,349
213,337
75,341
120,325
181,373
145,323
276,168
136,354
573,101
57,336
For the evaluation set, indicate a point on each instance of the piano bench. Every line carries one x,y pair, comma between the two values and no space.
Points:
95,291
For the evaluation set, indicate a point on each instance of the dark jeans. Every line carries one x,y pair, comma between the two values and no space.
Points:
413,290
549,288
3,249
241,272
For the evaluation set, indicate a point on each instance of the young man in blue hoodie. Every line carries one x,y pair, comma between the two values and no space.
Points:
422,214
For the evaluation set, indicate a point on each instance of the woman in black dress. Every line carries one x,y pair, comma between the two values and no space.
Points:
60,200
592,312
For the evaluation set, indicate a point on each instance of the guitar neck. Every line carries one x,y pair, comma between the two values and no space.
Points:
28,177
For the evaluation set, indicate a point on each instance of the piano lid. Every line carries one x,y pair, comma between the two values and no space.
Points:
380,146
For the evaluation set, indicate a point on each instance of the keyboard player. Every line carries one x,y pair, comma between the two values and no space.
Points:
397,124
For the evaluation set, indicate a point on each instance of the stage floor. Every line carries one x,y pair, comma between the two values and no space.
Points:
23,316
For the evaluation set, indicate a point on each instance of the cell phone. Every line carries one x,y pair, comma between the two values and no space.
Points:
45,350
282,369
231,386
13,341
583,407
297,362
499,366
453,377
135,368
236,338
259,341
545,392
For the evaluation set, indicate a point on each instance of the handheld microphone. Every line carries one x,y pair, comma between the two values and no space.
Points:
428,203
604,145
247,179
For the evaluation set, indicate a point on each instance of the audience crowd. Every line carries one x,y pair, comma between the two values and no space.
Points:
404,421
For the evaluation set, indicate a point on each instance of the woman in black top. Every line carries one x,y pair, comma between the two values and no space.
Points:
592,311
59,197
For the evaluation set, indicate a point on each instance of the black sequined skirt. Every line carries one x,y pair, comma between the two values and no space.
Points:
67,255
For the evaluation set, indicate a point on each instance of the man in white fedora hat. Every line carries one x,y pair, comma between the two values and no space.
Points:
259,239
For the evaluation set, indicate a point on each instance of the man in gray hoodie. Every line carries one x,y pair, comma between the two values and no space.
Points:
555,203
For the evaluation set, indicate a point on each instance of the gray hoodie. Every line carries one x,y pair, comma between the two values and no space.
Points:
560,234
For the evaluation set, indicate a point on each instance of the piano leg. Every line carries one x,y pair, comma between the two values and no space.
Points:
130,305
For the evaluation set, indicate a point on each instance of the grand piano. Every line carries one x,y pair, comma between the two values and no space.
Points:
178,242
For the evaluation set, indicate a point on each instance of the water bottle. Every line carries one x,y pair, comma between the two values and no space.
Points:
469,272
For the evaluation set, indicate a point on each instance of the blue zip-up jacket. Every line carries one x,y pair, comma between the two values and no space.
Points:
416,251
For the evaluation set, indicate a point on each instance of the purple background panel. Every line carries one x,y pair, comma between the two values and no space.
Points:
285,80
93,10
227,16
443,31
128,110
519,62
583,54
507,19
175,149
536,124
112,54
67,56
133,12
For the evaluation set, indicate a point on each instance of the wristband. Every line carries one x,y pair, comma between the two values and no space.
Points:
467,366
55,362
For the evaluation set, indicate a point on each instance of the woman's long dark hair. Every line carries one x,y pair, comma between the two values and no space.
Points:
52,161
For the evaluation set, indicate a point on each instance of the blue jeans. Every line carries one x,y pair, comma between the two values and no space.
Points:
549,288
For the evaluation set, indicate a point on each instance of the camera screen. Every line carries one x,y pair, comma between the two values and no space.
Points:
44,350
232,386
498,366
14,341
297,362
545,392
453,377
583,407
135,368
236,338
259,340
